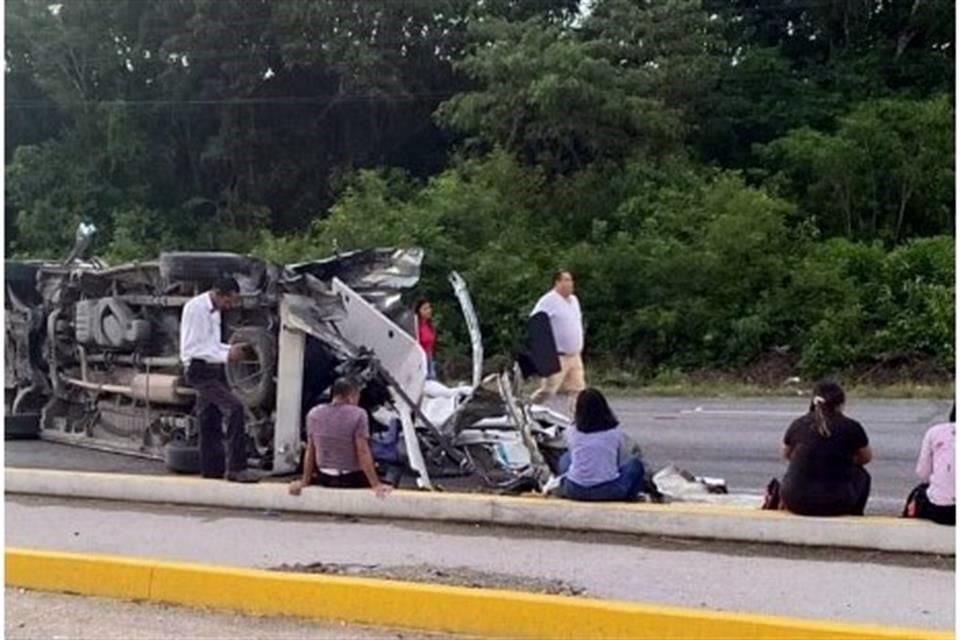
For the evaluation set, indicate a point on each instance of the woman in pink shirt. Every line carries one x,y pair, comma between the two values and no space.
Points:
935,499
427,335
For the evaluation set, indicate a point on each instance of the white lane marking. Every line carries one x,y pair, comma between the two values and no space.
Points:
736,412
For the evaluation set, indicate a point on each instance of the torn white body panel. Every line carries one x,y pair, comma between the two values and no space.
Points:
473,325
286,431
398,352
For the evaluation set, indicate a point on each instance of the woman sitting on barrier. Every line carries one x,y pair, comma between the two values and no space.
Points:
935,499
591,468
827,452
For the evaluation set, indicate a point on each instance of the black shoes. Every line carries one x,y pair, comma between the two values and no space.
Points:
246,476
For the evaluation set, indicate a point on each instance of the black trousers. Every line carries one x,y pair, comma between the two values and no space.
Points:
217,405
352,480
919,506
848,499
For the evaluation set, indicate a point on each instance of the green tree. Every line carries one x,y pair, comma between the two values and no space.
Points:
556,101
886,173
725,178
803,64
864,306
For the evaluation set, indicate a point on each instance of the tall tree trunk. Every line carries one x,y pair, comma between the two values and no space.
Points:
906,192
875,223
842,190
908,33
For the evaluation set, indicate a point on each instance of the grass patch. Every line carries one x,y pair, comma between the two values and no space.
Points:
618,383
773,382
689,389
743,390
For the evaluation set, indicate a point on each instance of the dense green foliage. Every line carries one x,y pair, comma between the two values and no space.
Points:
727,180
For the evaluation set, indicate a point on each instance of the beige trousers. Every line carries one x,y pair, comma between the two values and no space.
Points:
570,379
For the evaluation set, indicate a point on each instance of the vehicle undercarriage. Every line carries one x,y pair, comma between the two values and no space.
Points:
92,360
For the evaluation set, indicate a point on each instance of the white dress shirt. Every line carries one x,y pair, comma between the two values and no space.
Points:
200,332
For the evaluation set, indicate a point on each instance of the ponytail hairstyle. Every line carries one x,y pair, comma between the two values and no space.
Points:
828,397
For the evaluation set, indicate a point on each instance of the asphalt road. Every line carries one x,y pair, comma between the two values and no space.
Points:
740,439
735,439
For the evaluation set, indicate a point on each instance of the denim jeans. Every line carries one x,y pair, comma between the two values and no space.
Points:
627,486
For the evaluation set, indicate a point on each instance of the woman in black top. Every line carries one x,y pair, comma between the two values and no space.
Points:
827,452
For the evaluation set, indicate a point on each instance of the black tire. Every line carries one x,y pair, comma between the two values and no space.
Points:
254,389
22,279
182,458
204,268
23,426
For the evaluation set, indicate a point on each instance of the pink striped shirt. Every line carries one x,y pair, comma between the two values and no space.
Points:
936,464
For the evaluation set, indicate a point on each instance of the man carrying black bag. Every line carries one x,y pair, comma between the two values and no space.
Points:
561,309
204,356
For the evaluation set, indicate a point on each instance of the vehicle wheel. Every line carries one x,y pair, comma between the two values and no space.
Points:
22,279
252,379
23,426
182,458
204,268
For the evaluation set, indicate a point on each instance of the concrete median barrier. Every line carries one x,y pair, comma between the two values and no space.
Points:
395,604
677,520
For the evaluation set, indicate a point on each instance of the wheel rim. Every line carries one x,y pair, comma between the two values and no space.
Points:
247,374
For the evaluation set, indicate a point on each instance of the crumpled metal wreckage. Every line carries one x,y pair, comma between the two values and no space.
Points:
92,359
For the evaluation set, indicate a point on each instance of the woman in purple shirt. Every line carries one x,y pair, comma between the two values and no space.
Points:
592,470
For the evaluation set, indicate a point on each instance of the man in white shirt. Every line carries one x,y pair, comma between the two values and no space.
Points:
204,356
563,309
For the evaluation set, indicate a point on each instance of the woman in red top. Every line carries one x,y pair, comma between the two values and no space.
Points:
427,335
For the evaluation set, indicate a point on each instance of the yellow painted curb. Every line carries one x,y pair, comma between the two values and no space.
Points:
458,610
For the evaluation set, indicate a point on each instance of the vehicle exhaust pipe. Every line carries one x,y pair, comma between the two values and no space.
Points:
158,388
